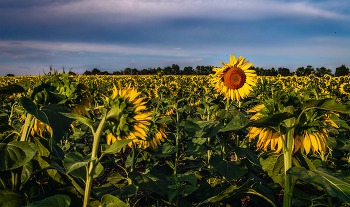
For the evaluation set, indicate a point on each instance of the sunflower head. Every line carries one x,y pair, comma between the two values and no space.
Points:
234,79
345,88
307,138
126,117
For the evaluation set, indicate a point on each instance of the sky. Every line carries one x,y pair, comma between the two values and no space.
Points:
115,34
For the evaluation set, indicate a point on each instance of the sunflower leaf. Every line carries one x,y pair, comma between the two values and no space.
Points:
50,115
328,104
166,120
13,88
53,201
111,201
88,122
115,147
10,197
333,185
16,154
270,121
233,192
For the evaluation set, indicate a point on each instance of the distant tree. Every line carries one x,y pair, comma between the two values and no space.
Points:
273,71
175,69
134,71
127,71
8,75
323,71
309,70
188,70
167,70
95,71
87,72
103,73
342,70
284,71
152,71
116,73
144,72
159,71
300,71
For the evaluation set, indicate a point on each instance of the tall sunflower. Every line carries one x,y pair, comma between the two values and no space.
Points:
234,79
306,139
129,121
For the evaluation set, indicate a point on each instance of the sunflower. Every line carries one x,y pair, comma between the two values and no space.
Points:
59,89
307,140
128,121
345,88
234,79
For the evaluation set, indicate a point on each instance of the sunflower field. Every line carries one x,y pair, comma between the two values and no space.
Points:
227,139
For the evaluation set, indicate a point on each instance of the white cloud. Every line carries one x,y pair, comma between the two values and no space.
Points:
231,9
137,11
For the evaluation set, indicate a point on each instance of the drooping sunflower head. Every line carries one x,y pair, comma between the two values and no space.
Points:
307,137
126,117
234,80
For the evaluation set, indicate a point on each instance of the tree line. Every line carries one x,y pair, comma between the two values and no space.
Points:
302,71
206,70
168,70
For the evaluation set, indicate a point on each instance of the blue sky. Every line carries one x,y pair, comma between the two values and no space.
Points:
114,34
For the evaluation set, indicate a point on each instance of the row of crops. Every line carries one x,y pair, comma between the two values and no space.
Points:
228,139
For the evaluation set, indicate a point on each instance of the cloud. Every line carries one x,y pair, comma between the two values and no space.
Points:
94,12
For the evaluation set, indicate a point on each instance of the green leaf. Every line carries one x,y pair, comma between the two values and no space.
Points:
195,149
328,104
166,150
16,154
333,185
50,115
126,192
115,147
238,122
88,122
117,180
251,156
273,164
155,183
301,195
230,170
190,126
53,201
10,89
9,198
210,129
172,194
188,189
111,201
166,120
234,192
6,128
74,161
270,121
190,177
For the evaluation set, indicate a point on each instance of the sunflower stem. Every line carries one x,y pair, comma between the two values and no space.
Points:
26,127
208,118
133,158
90,171
288,153
177,141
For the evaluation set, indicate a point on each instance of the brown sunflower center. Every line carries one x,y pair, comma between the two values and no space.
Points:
234,78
